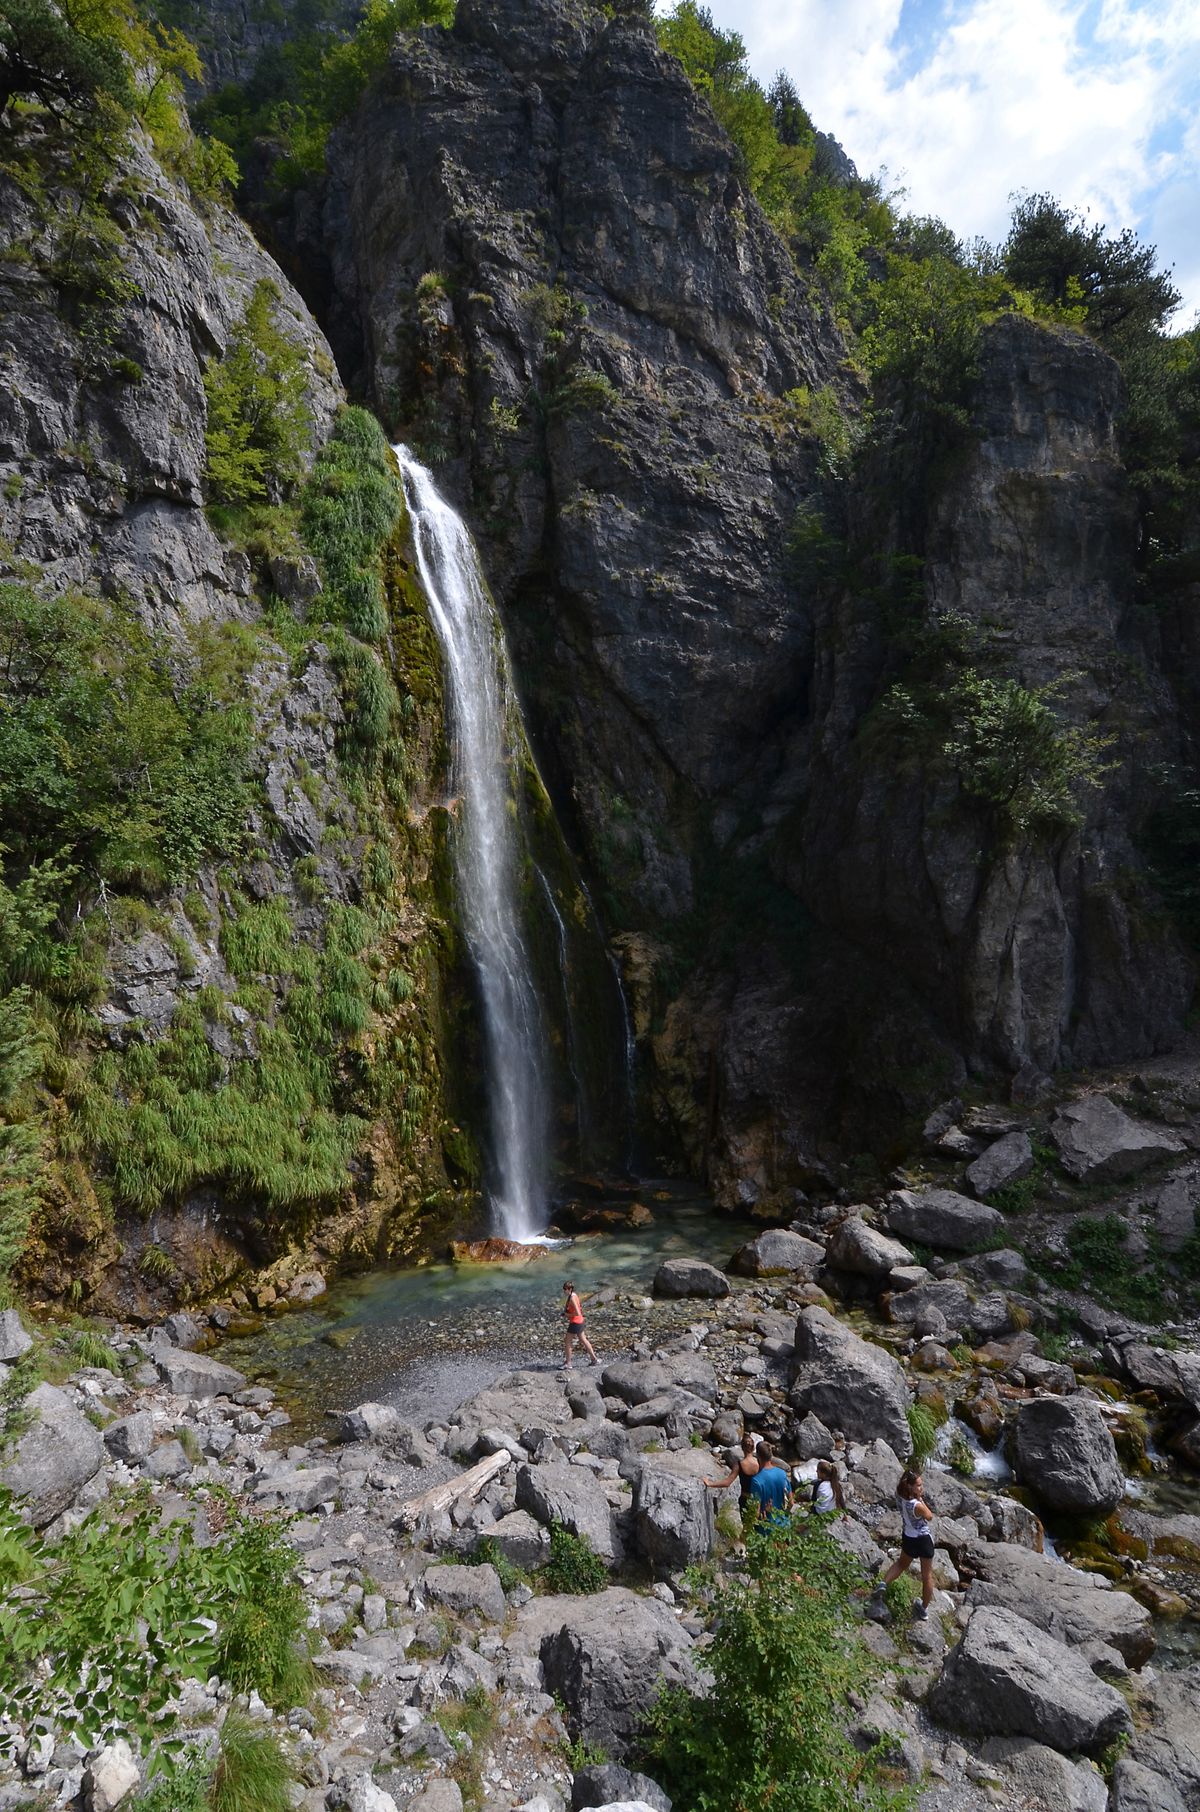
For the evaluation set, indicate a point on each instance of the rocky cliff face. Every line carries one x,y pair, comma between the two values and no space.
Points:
540,262
102,458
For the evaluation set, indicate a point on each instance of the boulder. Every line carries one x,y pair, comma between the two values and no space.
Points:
1099,1143
521,1539
1076,1607
131,1438
689,1277
1047,1778
13,1339
194,1375
1067,1457
110,1777
515,1402
677,1410
297,1488
572,1496
1169,1745
607,1783
169,1461
607,1662
672,1519
947,1298
184,1331
367,1422
1008,1678
853,1386
1174,1376
943,1219
636,1381
778,1251
54,1458
1136,1788
863,1251
1007,1161
466,1589
812,1440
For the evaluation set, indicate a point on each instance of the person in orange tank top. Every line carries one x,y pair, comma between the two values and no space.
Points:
574,1328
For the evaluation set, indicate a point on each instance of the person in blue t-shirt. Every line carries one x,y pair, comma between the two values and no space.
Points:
770,1490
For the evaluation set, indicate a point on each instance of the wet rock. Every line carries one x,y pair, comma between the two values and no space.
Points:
1169,1744
1099,1143
184,1331
558,1493
309,1286
981,1410
1075,1607
677,1277
854,1387
943,1219
608,1661
1009,1160
777,1252
1008,1678
1067,1457
194,1375
863,1251
54,1458
1172,1375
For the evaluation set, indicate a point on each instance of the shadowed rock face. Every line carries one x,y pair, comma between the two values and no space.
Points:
537,257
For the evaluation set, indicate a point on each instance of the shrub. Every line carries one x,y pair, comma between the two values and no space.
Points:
922,1429
252,1773
574,1564
1100,1263
258,420
783,1661
185,1789
900,1596
487,1554
352,503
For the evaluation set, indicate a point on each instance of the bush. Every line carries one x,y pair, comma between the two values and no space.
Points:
487,1554
258,420
784,1661
1100,1263
252,1773
109,1622
352,503
574,1564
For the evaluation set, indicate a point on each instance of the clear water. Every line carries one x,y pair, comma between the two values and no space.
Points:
424,1339
486,735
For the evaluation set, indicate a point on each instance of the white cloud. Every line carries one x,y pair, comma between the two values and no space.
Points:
1092,102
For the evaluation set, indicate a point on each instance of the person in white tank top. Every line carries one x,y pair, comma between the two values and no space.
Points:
916,1541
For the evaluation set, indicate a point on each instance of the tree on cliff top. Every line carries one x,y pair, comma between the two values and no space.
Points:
74,54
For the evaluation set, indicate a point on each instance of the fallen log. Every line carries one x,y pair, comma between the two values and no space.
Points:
440,1497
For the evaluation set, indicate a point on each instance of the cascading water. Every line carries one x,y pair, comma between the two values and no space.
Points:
482,712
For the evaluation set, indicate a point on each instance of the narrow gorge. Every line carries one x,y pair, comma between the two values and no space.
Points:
584,702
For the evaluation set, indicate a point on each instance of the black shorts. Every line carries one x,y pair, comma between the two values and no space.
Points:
917,1547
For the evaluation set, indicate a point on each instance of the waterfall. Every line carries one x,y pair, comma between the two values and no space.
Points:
482,711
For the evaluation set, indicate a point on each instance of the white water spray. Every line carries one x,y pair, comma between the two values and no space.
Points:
482,712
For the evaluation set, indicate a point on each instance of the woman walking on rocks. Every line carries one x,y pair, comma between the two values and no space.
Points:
743,1471
574,1328
916,1543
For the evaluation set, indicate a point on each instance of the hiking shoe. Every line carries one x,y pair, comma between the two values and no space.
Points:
919,1614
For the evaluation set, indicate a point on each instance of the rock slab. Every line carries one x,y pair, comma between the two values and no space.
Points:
853,1386
1006,1678
1098,1142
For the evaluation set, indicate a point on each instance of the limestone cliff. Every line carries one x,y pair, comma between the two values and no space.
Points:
540,261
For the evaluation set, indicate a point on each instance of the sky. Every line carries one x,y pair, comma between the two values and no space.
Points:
964,103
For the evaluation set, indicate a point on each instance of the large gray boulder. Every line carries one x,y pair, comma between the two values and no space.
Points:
947,1298
1047,1778
297,1488
1009,1160
1066,1456
520,1538
1099,1143
672,1518
194,1375
637,1380
689,1277
55,1457
1169,1745
1136,1788
572,1496
608,1662
13,1339
1008,1678
864,1251
131,1438
1077,1608
466,1589
1175,1376
605,1784
853,1386
944,1219
778,1251
515,1402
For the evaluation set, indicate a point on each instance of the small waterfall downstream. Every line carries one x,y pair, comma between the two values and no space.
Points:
482,713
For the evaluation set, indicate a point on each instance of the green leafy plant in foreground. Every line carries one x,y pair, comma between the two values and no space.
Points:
97,1633
783,1660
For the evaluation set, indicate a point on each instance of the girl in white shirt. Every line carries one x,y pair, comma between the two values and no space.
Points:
916,1541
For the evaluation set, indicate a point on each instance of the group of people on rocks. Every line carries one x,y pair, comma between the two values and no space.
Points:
766,1491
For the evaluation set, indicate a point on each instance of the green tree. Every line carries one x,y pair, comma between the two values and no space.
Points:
64,57
258,419
1111,283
